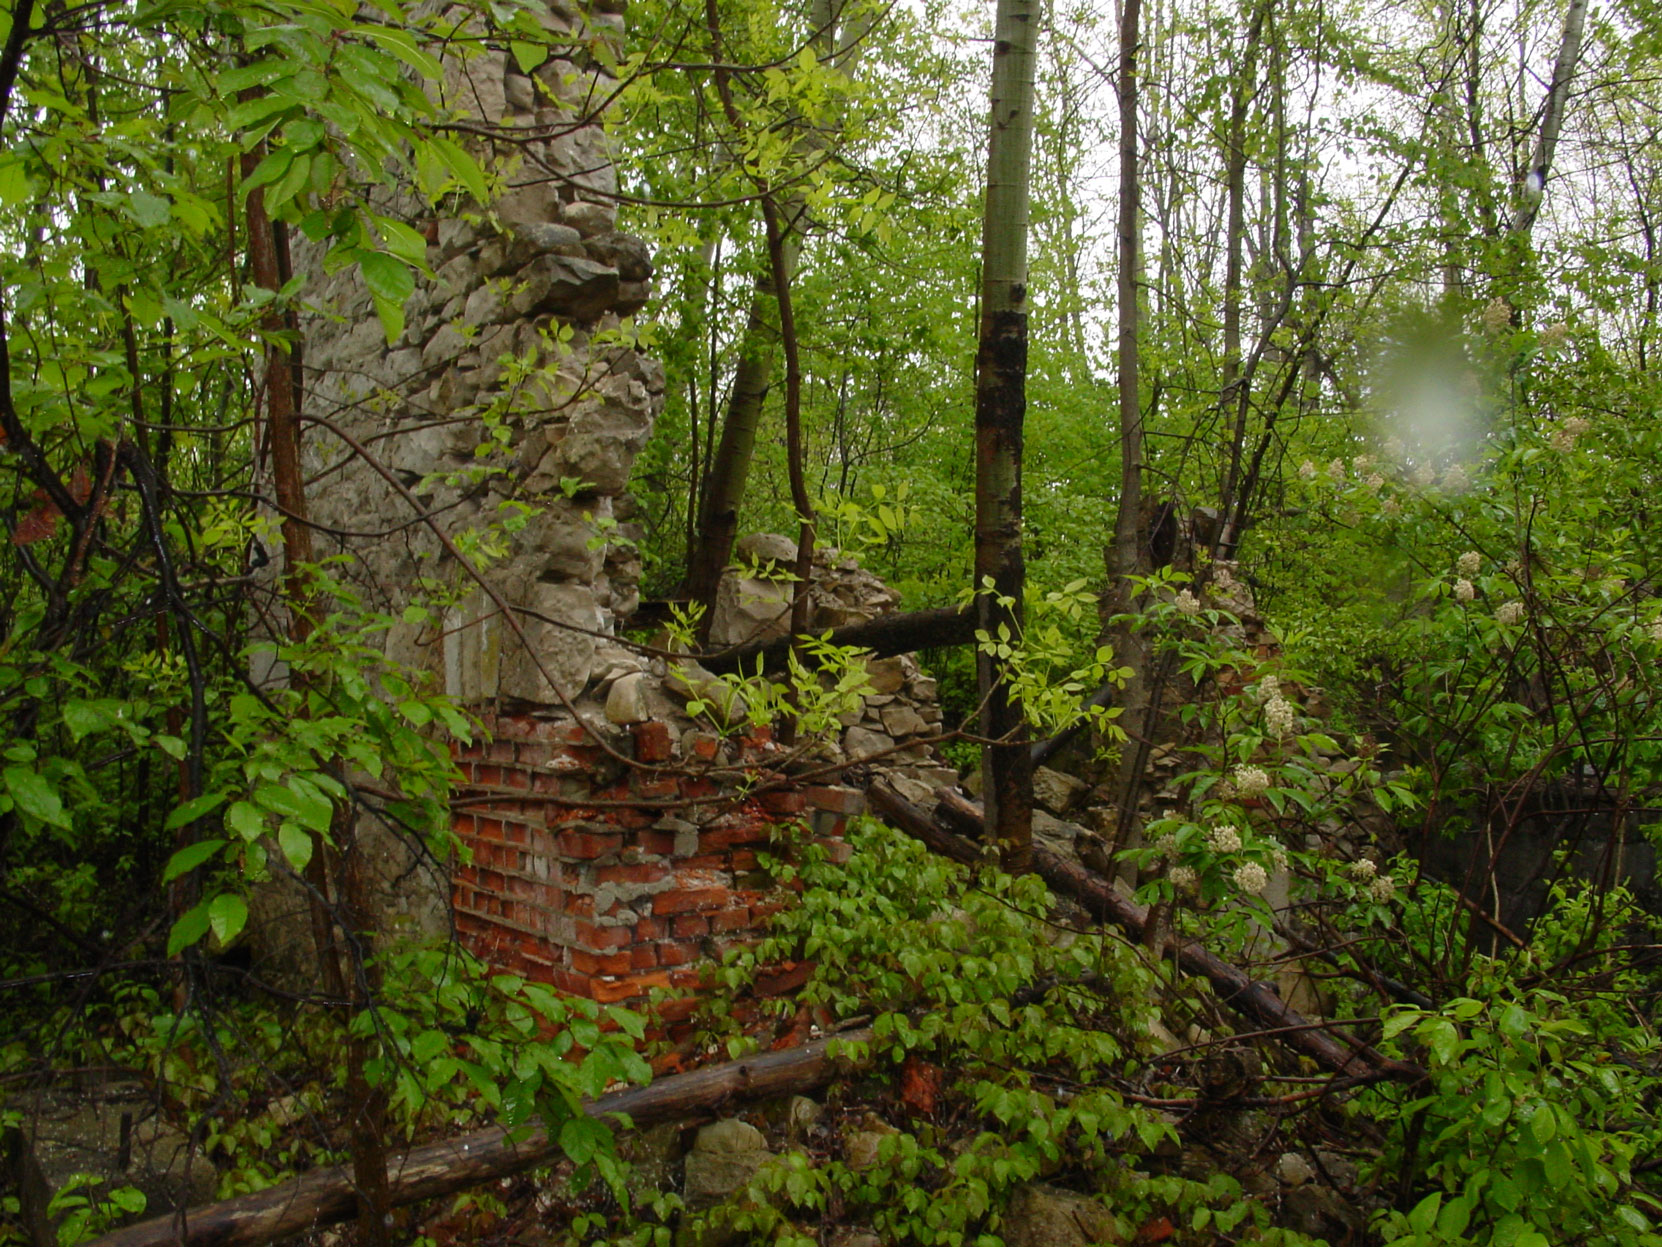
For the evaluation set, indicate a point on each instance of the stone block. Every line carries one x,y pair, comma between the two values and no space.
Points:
566,286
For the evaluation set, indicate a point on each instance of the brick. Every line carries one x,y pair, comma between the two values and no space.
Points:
836,799
656,788
672,954
587,845
652,742
639,872
658,843
783,802
599,938
705,748
729,920
684,900
643,957
838,852
729,832
602,963
610,992
578,905
786,977
673,1011
691,976
490,776
688,926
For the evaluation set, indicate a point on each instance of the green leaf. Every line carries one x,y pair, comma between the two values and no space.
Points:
528,55
245,820
148,210
83,718
1543,1124
35,796
227,915
295,843
193,809
190,928
189,858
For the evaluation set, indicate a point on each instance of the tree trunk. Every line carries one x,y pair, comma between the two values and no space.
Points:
1129,558
729,467
1000,409
1552,117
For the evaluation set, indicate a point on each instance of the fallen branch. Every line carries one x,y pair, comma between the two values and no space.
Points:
1233,987
329,1196
883,636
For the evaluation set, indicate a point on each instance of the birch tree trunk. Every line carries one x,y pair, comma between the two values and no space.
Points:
1552,118
1000,408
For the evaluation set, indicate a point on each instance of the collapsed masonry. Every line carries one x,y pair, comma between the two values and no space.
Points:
613,836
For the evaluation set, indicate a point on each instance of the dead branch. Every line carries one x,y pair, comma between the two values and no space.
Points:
329,1196
1253,1000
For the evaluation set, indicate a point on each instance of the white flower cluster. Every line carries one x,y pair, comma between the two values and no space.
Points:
1366,876
1564,437
1554,336
1464,590
1183,878
1509,613
1250,781
1425,475
1469,563
1307,471
1391,506
1186,603
1374,483
1166,846
1497,316
1278,858
1278,715
1361,464
1251,878
1224,839
1336,469
1455,480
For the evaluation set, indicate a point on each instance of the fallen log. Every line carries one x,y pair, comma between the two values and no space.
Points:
883,636
1253,1000
442,1168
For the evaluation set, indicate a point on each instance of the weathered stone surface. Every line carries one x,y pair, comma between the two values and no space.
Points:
1293,1169
629,255
589,219
556,666
859,742
1057,792
626,703
750,610
1053,833
1046,1216
725,1157
901,720
689,681
566,286
765,550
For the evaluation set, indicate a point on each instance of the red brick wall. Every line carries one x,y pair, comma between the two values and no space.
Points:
606,879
